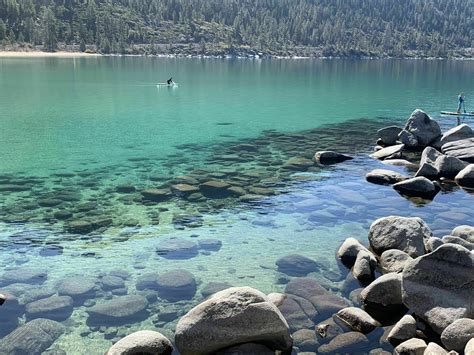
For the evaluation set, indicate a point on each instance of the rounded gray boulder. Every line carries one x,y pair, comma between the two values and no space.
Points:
142,342
231,317
457,334
403,233
438,286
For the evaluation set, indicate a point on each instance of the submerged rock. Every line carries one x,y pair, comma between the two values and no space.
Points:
78,287
244,349
305,339
296,265
215,189
27,276
456,335
31,338
230,317
120,310
330,157
176,285
345,343
156,195
142,342
210,244
214,287
357,319
55,307
177,249
298,312
403,233
439,286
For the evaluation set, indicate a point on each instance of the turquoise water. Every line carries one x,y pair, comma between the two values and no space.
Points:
73,130
63,113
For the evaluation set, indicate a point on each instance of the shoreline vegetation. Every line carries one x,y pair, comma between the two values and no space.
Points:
288,28
71,51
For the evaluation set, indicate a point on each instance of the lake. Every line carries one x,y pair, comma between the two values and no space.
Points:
90,147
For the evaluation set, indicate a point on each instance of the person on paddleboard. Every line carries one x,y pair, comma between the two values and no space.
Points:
461,105
170,81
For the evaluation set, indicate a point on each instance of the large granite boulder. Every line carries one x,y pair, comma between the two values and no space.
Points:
384,177
120,310
465,177
142,342
408,139
389,135
55,307
417,187
456,335
439,286
296,265
403,233
462,149
33,337
425,129
357,319
457,133
231,317
329,157
176,285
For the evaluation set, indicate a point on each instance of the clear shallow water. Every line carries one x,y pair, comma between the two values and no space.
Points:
94,130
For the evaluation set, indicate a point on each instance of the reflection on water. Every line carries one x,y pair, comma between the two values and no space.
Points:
89,249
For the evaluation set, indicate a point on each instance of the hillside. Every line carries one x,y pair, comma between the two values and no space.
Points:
280,27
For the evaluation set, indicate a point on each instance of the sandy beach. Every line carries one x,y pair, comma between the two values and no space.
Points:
39,54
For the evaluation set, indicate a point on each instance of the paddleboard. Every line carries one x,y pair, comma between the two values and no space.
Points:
166,84
468,114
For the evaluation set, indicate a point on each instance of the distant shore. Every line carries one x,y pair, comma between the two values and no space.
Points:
35,53
38,54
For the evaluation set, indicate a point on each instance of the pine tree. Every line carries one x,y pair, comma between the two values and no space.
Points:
49,30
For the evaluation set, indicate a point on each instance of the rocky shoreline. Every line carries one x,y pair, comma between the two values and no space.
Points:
408,290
